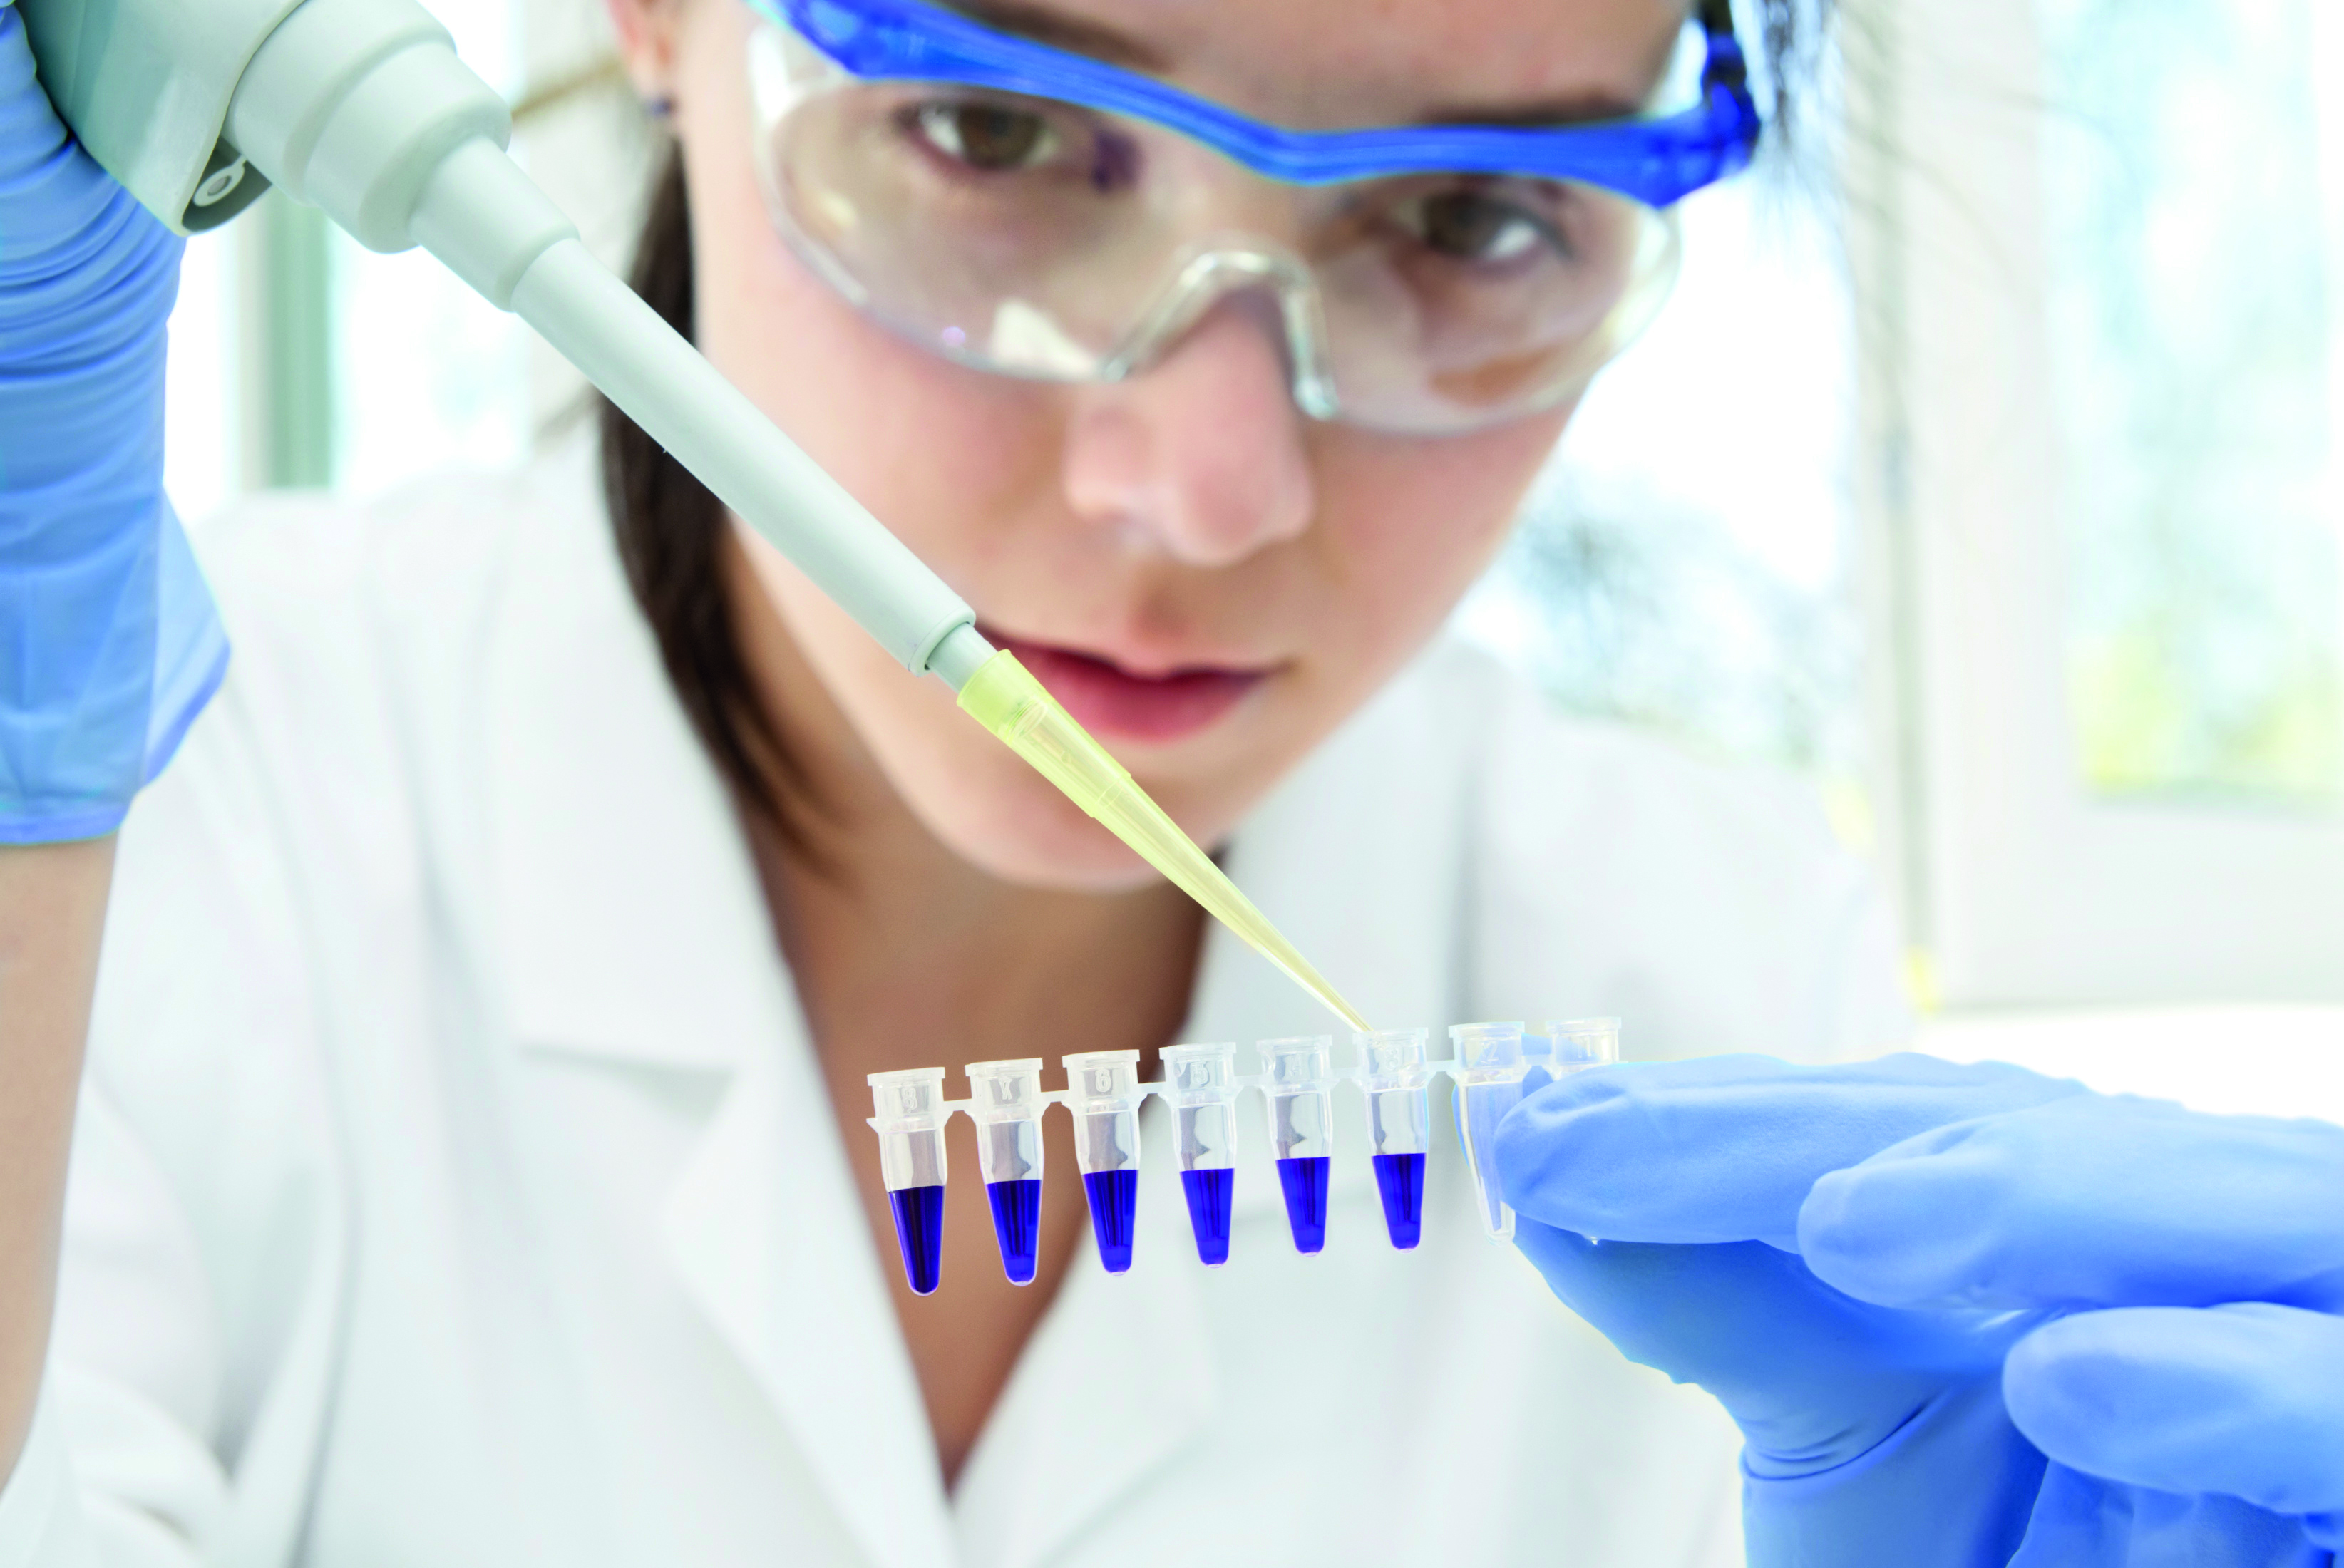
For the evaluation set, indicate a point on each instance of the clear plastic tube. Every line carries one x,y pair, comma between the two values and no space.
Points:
1298,1081
1102,1092
1489,1068
1201,1089
907,1114
1200,1082
1397,1087
1575,1045
1005,1102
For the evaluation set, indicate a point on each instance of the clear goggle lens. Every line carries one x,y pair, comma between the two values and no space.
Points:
1042,239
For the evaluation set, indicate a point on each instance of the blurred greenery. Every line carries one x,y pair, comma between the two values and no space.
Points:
2147,729
2193,338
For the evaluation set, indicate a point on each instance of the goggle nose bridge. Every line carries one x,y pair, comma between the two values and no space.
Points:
1218,269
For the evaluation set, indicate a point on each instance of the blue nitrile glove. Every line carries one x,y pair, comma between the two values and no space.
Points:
1874,1435
2191,1393
1870,1386
109,643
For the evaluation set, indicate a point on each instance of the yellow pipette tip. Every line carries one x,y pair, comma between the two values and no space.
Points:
1004,697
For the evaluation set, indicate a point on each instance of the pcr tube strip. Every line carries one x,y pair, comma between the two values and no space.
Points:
1200,1087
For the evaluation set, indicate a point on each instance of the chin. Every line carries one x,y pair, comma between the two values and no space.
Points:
1085,860
1110,870
1034,837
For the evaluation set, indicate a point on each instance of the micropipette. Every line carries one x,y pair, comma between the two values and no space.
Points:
361,108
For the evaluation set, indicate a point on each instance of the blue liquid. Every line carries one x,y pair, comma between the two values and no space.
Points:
1400,1179
1305,1182
1114,1204
920,1232
1208,1211
1017,1225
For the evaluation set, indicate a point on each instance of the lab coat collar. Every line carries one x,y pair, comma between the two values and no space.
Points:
1118,1379
632,925
765,1206
635,934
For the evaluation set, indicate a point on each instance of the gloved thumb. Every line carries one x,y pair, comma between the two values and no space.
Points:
1812,1377
2246,1401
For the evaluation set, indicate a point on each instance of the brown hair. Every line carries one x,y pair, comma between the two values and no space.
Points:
671,530
670,535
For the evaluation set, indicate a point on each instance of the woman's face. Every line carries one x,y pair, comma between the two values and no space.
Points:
1207,578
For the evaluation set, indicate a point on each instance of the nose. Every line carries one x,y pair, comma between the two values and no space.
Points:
1202,454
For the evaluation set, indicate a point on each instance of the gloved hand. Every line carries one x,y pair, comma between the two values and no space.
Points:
1890,1274
109,643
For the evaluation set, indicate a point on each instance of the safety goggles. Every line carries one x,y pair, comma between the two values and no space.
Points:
1042,214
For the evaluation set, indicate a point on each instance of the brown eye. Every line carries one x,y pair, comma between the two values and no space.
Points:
992,137
1470,226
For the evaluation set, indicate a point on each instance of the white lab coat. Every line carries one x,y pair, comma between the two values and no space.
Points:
455,1186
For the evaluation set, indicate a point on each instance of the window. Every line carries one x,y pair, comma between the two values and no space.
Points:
2192,309
2100,361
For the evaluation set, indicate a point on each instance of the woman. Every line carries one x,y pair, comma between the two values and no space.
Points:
471,1164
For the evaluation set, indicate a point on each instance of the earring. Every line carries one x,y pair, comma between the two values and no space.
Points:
661,108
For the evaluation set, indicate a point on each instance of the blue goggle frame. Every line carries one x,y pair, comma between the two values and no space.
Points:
1658,162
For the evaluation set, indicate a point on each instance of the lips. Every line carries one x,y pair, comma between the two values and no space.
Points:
1107,699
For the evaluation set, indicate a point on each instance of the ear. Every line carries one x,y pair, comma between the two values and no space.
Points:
646,31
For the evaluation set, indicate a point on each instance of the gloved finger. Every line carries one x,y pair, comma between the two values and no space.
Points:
2247,1401
32,139
2092,1201
61,216
113,637
2080,1521
1812,1377
1725,1149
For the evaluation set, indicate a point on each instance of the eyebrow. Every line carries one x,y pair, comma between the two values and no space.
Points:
1572,109
1060,31
1587,106
1081,35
